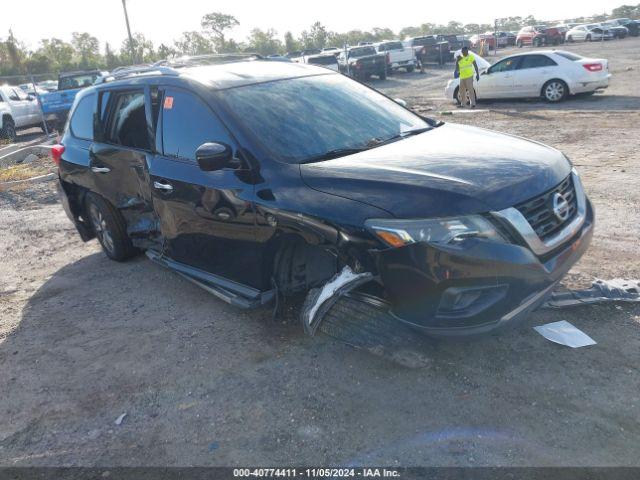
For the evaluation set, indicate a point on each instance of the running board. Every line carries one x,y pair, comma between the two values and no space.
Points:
231,292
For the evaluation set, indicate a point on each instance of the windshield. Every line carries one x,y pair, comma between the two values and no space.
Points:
77,81
300,119
362,52
568,55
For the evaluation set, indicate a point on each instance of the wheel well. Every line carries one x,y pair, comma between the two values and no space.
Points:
76,196
295,265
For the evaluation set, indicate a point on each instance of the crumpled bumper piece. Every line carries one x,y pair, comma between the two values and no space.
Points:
601,291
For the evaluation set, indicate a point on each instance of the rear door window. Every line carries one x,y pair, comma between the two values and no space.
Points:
187,123
81,123
536,61
128,123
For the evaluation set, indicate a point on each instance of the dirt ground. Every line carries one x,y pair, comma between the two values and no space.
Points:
84,340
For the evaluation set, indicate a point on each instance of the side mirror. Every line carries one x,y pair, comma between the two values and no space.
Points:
213,156
31,97
400,101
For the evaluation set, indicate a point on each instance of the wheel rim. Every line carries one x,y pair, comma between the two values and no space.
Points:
554,91
100,227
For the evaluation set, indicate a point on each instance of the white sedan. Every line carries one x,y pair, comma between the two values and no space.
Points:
588,33
551,74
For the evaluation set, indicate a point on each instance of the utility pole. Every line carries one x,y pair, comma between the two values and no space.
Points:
126,19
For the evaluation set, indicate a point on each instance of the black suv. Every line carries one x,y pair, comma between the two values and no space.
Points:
255,179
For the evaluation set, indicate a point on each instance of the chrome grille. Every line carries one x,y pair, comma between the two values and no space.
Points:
539,210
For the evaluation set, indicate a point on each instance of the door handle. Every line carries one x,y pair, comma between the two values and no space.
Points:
100,169
163,186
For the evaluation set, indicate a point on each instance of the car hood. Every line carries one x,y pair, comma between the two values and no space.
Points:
449,170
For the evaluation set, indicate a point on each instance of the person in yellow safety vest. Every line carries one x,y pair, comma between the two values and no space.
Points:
465,65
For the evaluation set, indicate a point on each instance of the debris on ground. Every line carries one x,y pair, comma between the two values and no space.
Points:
365,323
120,419
320,300
601,291
564,333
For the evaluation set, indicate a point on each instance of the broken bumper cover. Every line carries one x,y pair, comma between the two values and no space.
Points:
456,291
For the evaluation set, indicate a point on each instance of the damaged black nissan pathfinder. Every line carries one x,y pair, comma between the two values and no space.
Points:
256,179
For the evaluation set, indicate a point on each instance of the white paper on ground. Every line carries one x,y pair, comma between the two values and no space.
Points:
564,333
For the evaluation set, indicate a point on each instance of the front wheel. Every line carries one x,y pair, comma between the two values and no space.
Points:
555,91
588,39
570,39
383,75
410,69
110,228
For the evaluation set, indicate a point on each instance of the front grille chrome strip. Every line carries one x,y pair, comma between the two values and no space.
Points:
541,247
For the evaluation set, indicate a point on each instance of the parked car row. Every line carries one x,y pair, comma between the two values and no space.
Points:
20,109
552,75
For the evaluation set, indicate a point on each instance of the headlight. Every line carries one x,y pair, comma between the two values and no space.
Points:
449,230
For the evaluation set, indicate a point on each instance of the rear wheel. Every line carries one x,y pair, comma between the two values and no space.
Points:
410,69
555,91
8,131
519,43
537,42
110,228
570,39
588,39
383,75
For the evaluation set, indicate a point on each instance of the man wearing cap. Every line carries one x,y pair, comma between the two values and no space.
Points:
465,66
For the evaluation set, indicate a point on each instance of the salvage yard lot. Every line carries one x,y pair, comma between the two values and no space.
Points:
84,340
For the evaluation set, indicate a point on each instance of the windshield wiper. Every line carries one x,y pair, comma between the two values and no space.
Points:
405,134
335,153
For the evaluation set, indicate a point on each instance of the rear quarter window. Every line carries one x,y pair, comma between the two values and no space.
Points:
81,123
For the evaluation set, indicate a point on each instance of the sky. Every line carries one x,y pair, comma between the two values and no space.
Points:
164,20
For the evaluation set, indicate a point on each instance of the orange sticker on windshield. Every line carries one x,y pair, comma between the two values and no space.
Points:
168,103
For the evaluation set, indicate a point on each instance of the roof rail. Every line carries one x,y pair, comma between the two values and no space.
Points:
124,72
207,59
169,66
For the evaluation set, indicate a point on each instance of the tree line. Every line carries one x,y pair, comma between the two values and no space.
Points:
83,51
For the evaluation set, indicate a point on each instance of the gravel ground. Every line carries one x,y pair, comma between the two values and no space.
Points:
84,340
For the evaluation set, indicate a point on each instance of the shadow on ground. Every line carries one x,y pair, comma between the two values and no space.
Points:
203,383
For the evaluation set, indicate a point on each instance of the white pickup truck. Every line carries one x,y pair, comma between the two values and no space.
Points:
17,110
398,56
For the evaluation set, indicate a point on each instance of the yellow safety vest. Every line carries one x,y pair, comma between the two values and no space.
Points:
465,66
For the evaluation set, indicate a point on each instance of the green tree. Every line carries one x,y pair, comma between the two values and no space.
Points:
264,42
316,37
193,43
87,48
626,11
59,52
290,43
142,48
410,32
216,25
111,59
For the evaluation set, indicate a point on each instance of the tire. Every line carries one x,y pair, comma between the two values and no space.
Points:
519,43
8,131
555,91
109,227
588,38
383,75
410,69
570,39
537,42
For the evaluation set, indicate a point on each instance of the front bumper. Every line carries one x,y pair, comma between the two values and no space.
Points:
477,288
